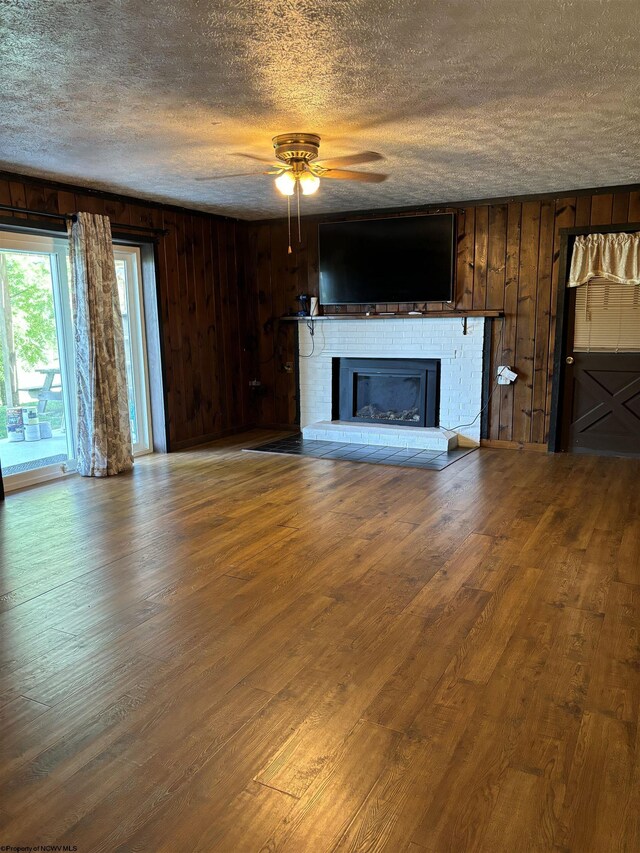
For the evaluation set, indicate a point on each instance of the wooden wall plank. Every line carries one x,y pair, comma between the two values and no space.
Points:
620,211
512,266
496,257
235,389
525,335
202,398
465,254
564,217
480,253
202,325
18,193
281,283
219,272
601,209
583,210
267,327
507,259
634,207
247,310
542,322
222,285
211,366
5,192
66,202
496,277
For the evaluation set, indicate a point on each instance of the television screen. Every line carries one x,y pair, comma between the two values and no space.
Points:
405,259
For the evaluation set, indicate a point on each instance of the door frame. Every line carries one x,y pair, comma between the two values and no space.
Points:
564,325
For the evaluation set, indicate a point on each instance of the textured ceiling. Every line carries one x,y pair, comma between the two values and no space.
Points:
465,99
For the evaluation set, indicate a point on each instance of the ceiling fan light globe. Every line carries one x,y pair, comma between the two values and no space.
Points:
309,183
286,183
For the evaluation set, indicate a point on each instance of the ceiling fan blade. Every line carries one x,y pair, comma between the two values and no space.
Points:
232,175
268,160
350,160
363,177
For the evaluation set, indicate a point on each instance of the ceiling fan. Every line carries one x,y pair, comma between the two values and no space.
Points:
299,169
299,153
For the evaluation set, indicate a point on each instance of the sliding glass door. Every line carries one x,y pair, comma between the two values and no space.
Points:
37,417
129,274
37,387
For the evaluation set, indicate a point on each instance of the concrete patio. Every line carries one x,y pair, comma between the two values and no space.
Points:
19,456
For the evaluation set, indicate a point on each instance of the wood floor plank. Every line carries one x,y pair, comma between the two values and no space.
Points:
599,788
234,651
321,817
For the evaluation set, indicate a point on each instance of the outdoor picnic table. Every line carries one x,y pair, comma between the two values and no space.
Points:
47,391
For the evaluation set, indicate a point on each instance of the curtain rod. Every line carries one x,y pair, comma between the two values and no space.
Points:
65,216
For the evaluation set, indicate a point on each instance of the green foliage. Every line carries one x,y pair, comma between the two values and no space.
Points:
32,309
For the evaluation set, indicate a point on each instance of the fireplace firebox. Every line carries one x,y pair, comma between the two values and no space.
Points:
387,390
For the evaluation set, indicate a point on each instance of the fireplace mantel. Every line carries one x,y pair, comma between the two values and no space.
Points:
426,315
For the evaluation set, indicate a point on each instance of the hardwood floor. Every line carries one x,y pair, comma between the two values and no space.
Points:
230,651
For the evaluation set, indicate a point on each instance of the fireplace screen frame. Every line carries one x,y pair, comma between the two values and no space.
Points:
345,384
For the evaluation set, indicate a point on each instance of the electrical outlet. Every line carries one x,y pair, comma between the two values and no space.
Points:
505,375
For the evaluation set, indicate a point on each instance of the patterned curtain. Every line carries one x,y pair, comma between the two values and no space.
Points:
104,431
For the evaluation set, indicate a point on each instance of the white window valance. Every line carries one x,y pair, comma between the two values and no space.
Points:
614,257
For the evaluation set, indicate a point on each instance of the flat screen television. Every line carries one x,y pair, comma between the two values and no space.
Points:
405,259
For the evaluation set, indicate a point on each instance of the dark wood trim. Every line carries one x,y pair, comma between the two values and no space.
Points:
65,217
32,226
555,423
486,378
296,368
498,444
110,195
581,230
394,316
564,326
455,206
440,207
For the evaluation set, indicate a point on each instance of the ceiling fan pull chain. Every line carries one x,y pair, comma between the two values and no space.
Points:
298,194
289,222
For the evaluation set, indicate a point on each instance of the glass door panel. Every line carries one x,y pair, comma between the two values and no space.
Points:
36,426
130,292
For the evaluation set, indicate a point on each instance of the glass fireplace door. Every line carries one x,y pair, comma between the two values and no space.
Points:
379,397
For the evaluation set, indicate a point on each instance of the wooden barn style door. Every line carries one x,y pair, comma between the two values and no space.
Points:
601,405
604,412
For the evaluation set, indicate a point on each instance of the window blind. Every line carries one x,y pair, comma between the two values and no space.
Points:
607,317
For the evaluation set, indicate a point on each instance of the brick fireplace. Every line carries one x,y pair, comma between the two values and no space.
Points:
438,340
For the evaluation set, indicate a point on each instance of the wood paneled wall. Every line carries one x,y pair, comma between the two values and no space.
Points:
206,317
223,285
507,260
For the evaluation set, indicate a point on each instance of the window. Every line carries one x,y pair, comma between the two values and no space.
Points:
607,317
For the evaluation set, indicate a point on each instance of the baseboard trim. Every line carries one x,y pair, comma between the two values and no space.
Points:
497,444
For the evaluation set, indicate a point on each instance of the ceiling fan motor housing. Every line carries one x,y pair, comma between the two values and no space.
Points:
296,147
